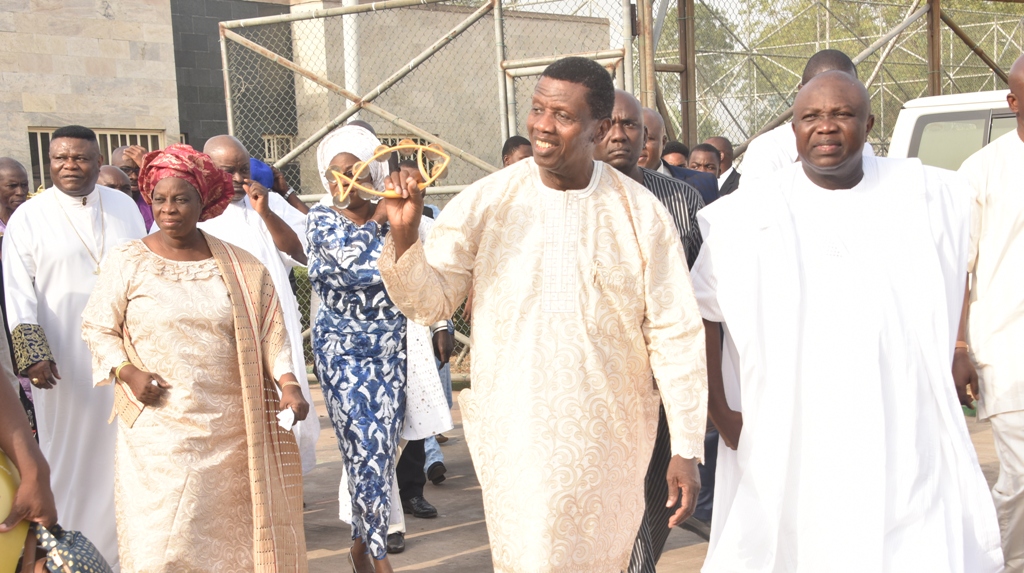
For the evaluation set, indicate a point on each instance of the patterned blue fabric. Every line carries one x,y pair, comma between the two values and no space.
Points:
359,350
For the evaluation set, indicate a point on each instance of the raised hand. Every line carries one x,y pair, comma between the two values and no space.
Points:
404,213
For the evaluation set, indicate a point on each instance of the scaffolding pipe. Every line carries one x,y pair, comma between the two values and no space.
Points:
499,43
863,55
974,47
627,45
648,78
548,60
934,48
315,14
359,104
227,81
513,121
537,70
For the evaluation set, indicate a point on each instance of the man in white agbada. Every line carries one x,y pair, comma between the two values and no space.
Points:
583,316
996,314
839,283
52,251
776,149
264,224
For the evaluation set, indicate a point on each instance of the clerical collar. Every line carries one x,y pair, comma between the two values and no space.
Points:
82,201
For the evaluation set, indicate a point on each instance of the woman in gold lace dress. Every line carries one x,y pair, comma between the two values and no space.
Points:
190,331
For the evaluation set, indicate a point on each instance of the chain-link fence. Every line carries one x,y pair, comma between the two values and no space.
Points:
462,72
750,55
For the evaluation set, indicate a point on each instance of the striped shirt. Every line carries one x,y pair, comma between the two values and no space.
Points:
682,202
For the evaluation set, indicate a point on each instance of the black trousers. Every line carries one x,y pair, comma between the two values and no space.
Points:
650,540
409,470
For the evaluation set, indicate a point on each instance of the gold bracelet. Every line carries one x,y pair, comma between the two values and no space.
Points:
117,371
289,383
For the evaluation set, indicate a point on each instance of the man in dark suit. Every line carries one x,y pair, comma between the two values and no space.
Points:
705,183
729,178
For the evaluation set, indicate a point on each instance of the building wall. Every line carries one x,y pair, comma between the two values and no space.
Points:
105,64
201,107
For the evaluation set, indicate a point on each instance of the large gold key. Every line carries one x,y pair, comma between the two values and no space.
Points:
384,154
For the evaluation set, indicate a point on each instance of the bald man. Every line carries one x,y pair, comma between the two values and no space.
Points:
994,307
838,282
776,149
13,189
264,224
650,158
114,178
621,148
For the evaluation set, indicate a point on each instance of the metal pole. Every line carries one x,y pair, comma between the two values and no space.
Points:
548,60
503,95
537,70
648,77
934,48
359,104
975,47
688,77
316,14
659,22
784,116
627,45
450,148
510,111
227,80
888,49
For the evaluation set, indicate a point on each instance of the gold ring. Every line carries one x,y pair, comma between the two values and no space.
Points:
35,381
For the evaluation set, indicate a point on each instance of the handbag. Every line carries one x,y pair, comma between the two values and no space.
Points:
126,405
69,551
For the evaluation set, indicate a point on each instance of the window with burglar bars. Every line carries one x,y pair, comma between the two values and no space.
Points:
109,140
276,146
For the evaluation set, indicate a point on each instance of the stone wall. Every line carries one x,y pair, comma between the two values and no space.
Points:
105,64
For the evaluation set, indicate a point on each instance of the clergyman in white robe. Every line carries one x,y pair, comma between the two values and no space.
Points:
243,227
48,277
841,310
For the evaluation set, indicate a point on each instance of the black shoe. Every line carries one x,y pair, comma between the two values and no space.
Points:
396,542
436,472
700,527
419,507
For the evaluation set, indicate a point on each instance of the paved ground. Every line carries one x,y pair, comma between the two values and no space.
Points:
456,541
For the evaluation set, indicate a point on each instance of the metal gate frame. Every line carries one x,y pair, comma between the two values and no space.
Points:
619,61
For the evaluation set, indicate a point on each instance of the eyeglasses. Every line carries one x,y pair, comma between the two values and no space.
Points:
130,171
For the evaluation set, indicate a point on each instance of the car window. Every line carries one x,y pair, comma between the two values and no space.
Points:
1001,125
946,140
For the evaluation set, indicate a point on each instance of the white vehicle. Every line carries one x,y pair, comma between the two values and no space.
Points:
945,130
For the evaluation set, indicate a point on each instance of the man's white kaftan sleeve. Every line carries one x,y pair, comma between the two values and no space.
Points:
430,282
705,284
294,219
975,171
674,334
30,344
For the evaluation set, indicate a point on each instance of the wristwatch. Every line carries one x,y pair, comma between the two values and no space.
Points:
289,193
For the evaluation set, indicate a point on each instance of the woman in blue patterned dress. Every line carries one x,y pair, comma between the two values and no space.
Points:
358,343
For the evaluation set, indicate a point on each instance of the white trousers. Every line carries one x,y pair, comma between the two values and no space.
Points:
1008,493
